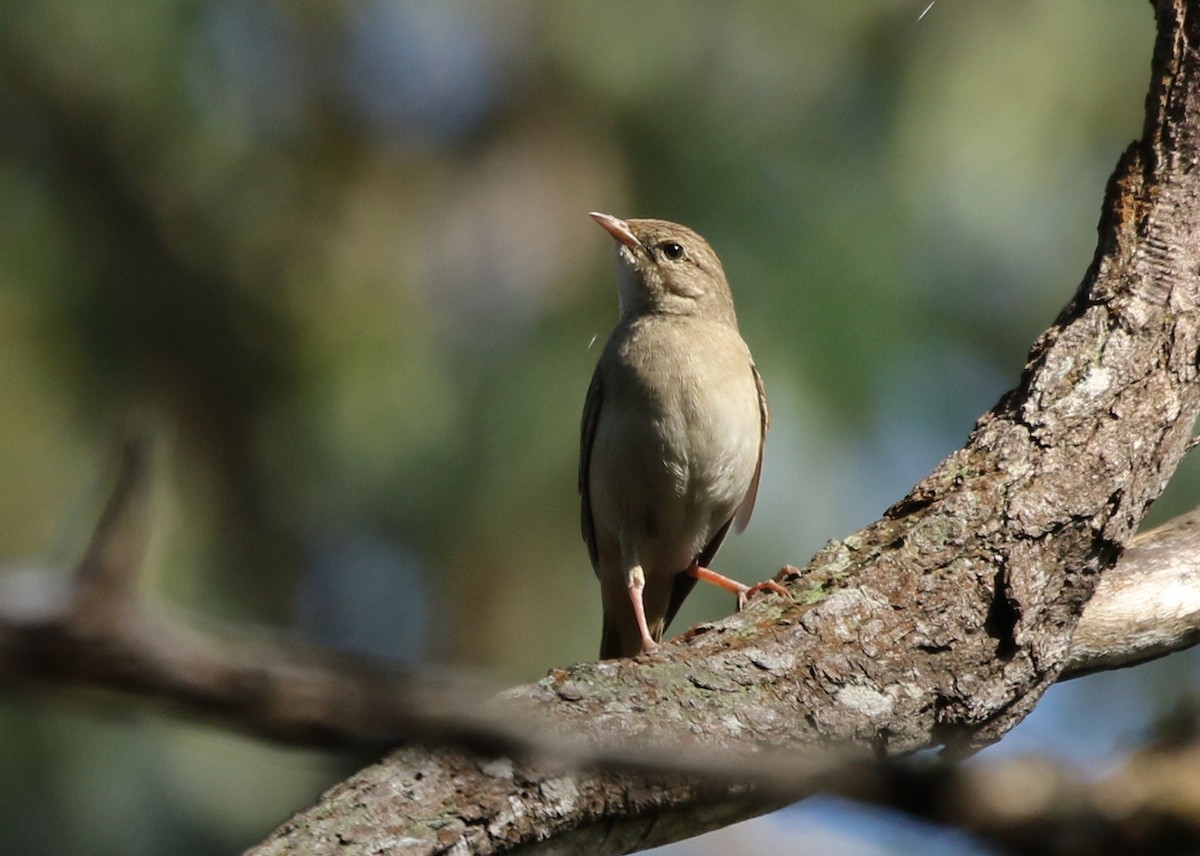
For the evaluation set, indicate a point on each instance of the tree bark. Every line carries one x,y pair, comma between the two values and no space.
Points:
940,624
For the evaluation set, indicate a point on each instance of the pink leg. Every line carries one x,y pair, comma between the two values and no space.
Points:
636,584
740,591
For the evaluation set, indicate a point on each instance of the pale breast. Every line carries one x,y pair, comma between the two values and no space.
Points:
678,436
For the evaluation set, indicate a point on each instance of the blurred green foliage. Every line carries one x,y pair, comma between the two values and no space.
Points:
339,252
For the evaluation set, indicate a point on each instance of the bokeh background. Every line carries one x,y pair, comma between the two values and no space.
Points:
338,254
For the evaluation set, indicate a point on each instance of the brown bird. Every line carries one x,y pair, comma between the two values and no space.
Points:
672,438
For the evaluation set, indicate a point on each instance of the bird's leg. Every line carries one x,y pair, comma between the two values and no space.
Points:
635,581
739,590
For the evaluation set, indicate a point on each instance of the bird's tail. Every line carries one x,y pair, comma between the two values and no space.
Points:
613,645
610,640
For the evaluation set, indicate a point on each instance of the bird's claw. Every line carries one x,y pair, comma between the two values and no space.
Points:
787,573
746,592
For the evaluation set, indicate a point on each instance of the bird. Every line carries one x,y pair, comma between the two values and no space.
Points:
671,443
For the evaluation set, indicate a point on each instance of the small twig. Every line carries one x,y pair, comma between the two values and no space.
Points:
104,591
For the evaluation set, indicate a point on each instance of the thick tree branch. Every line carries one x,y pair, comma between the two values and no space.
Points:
941,623
99,632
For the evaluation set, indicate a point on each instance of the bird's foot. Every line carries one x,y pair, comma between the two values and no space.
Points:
748,592
775,584
788,573
648,645
739,590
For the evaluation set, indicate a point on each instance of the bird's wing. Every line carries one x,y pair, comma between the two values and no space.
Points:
587,433
747,507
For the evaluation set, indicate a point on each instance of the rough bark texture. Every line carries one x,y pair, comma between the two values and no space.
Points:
942,623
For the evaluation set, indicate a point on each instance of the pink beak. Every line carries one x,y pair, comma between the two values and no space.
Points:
618,228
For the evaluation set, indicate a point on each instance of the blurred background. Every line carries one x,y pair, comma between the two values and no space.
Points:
339,255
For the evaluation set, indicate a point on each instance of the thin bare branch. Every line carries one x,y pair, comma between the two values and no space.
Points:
92,628
1147,605
1150,804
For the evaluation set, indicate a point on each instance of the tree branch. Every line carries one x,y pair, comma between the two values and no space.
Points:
93,629
942,623
1150,804
1147,605
98,632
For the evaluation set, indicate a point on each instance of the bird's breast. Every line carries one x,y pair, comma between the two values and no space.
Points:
678,438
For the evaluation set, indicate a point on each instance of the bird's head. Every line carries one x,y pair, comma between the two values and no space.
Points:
665,268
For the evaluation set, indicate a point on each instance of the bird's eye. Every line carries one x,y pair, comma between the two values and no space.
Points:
671,250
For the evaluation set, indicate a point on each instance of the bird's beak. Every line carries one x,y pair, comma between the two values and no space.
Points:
618,228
